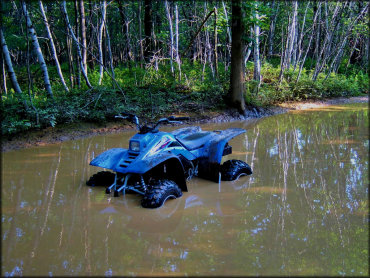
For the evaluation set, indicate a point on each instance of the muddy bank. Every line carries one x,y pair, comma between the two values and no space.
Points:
80,130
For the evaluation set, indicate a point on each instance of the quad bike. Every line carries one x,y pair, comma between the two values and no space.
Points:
157,164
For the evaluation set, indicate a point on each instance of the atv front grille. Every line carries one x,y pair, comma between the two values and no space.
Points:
131,157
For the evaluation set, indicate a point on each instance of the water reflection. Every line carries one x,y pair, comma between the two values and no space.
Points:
304,211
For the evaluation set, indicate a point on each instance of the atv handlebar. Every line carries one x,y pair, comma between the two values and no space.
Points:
134,119
172,118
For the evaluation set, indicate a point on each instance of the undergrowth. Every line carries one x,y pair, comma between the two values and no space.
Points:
150,93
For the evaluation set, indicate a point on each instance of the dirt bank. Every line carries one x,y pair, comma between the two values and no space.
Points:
75,131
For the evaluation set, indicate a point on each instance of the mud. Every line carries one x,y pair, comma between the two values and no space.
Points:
75,131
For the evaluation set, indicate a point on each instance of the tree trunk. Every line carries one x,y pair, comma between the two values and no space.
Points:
177,40
110,52
125,25
100,40
65,14
37,50
141,38
83,34
272,29
148,23
256,51
4,75
236,93
78,59
52,46
228,45
309,43
300,48
9,66
215,58
168,14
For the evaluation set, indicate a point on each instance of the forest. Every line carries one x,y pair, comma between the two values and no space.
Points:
87,61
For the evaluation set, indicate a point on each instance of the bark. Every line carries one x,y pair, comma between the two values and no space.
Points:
100,40
4,75
272,29
168,14
125,25
338,57
52,46
227,27
141,38
110,52
215,58
148,25
78,59
9,67
178,61
287,54
300,49
37,50
321,60
65,14
236,93
256,51
309,43
83,34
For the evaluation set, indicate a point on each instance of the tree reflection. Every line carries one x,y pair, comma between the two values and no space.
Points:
304,211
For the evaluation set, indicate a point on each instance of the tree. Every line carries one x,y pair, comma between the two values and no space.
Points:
236,92
148,24
37,50
83,34
52,46
65,14
256,52
100,39
9,66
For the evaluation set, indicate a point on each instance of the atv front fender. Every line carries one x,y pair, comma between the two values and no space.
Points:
209,164
174,167
109,159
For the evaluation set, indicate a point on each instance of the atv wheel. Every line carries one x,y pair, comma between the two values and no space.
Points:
233,169
103,178
160,191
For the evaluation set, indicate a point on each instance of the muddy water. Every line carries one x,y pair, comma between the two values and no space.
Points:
304,211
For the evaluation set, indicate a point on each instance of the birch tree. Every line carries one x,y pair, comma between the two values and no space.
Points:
178,61
100,39
9,67
83,34
37,50
52,46
65,14
256,51
168,14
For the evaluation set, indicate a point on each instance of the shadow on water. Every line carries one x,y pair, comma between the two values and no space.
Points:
304,211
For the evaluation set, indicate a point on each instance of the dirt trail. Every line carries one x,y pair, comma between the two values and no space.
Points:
80,130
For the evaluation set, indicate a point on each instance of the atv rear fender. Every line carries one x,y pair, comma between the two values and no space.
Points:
209,163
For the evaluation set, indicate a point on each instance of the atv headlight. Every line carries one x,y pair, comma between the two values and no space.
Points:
135,146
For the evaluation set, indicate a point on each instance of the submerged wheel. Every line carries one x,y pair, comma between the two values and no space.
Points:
160,192
103,178
233,169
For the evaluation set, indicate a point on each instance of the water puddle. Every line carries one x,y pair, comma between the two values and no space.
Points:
304,211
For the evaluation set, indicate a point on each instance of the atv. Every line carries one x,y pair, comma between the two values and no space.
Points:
157,164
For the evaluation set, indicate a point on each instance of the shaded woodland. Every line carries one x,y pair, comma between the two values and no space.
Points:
72,61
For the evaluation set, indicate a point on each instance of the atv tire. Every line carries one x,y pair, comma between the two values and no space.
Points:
103,178
233,169
160,191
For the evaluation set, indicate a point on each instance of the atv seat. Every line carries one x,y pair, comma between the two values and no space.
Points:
195,140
